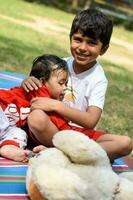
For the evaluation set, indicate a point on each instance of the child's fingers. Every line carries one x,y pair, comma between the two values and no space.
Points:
35,82
31,83
39,148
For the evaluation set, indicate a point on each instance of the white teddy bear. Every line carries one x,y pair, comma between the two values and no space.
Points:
77,168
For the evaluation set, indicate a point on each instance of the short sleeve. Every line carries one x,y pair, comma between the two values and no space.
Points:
97,95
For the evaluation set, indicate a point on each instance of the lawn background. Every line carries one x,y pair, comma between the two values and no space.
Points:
28,30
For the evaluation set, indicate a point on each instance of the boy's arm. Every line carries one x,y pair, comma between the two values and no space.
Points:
31,83
87,119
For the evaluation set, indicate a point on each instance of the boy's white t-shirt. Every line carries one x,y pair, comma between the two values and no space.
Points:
87,88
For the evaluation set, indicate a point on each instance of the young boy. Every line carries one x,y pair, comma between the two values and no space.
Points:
85,94
15,105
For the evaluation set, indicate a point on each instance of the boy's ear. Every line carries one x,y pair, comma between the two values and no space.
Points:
103,50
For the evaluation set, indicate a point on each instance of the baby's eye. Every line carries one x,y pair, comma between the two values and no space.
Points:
61,82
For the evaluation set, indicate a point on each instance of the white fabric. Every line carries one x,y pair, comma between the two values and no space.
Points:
11,133
87,88
4,123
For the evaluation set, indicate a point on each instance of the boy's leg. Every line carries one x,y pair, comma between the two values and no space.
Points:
42,127
116,146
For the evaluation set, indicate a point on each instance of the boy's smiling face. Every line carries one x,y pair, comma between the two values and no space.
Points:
85,51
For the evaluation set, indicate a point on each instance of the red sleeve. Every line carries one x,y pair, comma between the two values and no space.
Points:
41,92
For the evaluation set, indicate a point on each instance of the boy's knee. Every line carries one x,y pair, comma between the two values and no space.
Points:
127,144
37,120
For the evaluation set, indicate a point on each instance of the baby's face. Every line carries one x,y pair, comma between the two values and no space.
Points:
57,84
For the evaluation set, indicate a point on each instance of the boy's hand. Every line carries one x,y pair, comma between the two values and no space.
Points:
44,103
31,83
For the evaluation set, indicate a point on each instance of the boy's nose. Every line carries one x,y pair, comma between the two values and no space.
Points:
83,46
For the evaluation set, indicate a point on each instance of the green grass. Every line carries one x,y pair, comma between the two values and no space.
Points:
118,113
121,33
18,50
21,9
22,39
20,44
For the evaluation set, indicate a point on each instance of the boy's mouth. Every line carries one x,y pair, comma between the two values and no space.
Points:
81,57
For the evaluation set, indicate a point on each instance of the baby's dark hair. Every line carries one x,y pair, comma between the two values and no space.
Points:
93,23
45,64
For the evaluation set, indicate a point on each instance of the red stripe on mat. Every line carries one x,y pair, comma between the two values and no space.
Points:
8,197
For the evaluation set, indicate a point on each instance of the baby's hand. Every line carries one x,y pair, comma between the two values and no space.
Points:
38,148
31,83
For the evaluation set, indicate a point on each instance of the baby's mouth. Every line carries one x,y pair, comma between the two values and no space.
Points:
61,97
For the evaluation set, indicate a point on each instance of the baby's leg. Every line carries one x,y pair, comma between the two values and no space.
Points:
13,143
14,153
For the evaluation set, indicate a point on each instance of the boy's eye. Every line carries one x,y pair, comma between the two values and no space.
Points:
93,42
77,39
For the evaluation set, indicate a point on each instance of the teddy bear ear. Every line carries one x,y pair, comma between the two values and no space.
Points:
80,148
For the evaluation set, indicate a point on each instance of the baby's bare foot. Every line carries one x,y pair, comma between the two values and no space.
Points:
39,148
14,153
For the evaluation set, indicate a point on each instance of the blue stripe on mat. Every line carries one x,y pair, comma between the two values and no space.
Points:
9,79
21,170
13,188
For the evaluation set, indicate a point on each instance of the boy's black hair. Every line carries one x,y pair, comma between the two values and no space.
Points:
93,23
45,64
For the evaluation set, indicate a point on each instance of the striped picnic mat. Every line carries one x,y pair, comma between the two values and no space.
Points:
12,174
12,180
